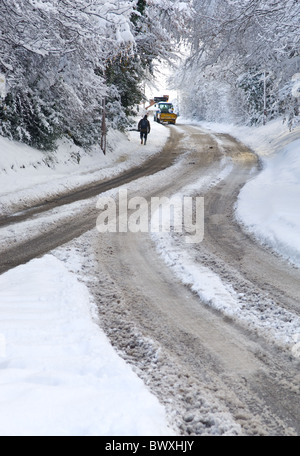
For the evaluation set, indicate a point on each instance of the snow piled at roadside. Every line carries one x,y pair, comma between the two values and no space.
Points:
28,175
59,373
268,206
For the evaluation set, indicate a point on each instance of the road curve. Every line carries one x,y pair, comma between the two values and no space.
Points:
207,369
40,243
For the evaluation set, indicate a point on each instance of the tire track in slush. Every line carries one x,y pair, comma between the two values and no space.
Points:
202,366
41,243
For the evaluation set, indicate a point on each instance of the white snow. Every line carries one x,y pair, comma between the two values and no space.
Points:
269,204
28,175
59,374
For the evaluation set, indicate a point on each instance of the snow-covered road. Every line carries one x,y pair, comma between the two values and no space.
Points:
207,326
241,361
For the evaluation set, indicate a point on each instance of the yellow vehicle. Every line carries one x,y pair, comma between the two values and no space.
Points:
165,113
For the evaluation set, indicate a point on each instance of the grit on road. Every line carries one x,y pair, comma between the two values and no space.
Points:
213,374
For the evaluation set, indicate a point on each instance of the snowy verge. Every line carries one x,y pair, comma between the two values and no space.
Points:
268,206
59,373
28,175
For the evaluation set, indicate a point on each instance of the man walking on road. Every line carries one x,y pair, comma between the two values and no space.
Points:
144,129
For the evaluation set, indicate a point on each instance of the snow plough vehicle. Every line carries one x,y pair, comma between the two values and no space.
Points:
165,113
163,110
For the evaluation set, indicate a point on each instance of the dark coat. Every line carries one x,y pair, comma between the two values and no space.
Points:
146,127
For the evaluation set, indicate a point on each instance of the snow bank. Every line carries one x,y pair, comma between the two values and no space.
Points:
28,175
268,206
59,373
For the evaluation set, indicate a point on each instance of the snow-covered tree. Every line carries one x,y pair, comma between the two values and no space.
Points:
233,40
49,53
61,57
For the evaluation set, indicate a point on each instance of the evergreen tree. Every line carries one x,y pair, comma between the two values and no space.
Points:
126,74
61,58
27,118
